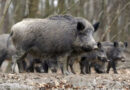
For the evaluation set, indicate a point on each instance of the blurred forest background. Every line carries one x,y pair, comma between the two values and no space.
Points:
114,15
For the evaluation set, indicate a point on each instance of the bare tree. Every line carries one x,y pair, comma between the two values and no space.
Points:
33,8
6,6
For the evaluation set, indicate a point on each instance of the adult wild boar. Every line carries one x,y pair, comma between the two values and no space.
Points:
51,37
6,53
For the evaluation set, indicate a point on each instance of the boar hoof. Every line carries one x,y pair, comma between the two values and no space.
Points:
66,73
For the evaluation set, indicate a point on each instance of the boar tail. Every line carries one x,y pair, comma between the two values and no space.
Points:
9,38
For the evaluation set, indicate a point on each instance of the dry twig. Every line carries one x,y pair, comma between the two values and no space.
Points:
70,7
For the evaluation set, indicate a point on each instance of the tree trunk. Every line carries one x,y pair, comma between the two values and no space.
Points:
19,11
61,6
33,8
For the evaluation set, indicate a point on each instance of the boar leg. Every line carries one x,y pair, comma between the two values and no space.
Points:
71,63
72,69
14,63
82,67
88,67
17,59
63,64
45,67
108,67
114,67
68,62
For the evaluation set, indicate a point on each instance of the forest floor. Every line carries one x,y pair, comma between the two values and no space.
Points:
42,81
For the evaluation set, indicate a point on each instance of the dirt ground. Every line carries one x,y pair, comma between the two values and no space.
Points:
42,81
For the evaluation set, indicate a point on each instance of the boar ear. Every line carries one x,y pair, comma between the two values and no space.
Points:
126,44
99,45
80,26
96,25
116,44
